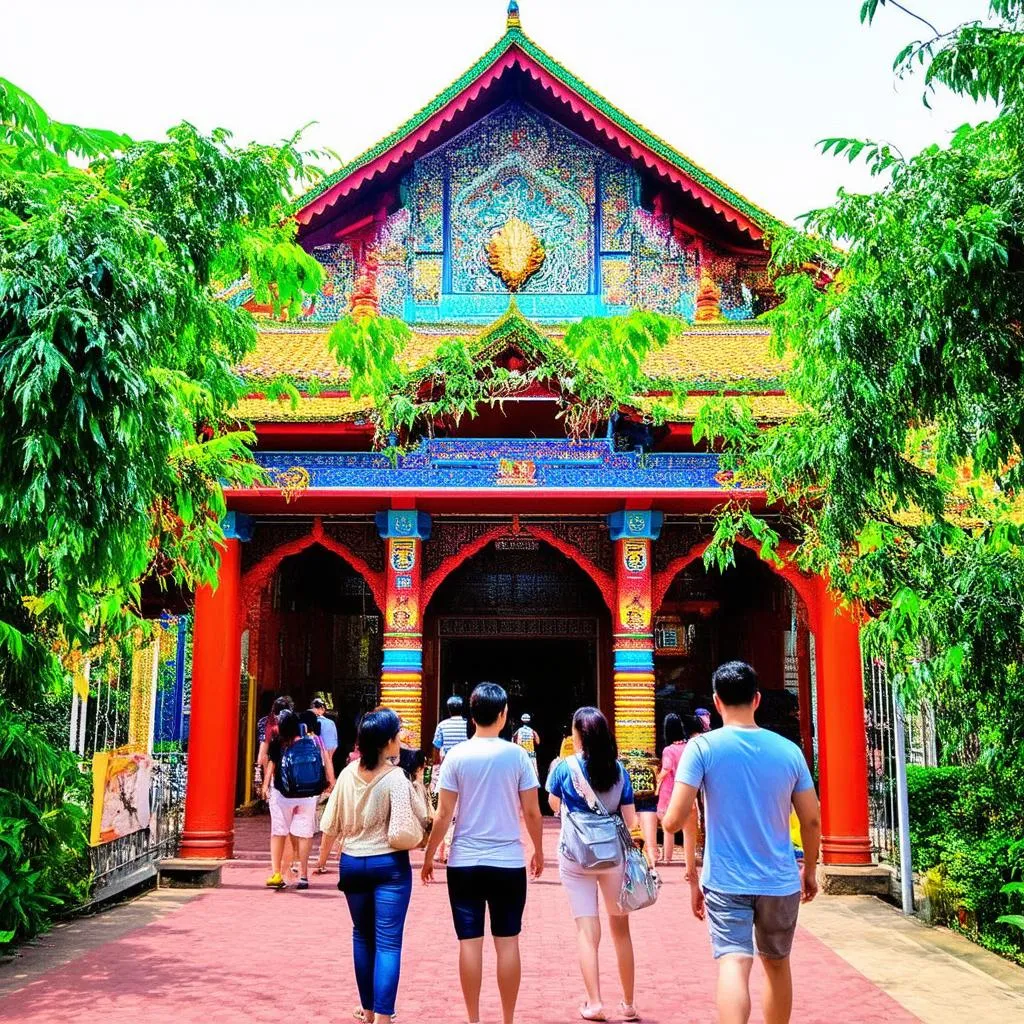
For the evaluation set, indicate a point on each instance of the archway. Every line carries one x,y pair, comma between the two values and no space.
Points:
750,612
521,613
319,635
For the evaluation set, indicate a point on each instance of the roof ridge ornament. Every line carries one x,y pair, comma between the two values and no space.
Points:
512,19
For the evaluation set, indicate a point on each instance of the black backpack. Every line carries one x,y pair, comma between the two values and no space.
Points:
301,772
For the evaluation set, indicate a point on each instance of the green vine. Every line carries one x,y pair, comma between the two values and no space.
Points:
595,369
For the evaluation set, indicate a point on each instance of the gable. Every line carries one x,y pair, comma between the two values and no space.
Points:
515,58
605,245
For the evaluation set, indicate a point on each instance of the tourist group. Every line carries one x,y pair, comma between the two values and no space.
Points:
746,791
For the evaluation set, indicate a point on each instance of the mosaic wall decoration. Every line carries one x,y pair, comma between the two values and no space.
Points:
603,251
332,302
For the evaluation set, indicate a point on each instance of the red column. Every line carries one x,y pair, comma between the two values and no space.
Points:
213,724
842,748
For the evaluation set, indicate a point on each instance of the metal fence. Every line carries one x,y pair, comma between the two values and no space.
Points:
123,862
132,700
882,719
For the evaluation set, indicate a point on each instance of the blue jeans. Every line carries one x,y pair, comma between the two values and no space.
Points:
377,890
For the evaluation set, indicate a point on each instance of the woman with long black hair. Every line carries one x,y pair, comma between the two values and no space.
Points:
378,817
595,767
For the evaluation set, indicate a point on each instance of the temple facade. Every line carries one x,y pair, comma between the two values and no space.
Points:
514,543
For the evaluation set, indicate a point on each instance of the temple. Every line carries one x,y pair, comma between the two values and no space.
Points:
518,542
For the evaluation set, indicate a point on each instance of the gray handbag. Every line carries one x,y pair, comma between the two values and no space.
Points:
640,882
590,838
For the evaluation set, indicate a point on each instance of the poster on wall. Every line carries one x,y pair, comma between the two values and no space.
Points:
120,794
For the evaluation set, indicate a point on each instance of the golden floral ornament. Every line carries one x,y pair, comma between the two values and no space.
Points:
291,482
515,253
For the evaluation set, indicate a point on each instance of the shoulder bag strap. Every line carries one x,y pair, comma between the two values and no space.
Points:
583,786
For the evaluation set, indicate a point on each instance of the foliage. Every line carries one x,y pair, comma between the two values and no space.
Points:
965,824
596,367
902,474
116,391
43,800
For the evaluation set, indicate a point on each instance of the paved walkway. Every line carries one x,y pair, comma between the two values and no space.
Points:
242,953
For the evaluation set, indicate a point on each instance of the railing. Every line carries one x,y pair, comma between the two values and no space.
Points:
882,722
123,862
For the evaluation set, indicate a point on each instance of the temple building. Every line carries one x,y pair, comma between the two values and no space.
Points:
522,544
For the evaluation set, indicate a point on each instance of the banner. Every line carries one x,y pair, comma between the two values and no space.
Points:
120,794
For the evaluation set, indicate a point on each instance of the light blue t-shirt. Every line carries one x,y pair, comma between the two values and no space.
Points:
560,785
328,733
749,778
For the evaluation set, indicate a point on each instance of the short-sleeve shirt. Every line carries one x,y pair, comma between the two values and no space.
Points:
560,785
670,758
749,777
450,732
328,733
488,774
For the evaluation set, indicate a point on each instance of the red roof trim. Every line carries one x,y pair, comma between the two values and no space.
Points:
512,57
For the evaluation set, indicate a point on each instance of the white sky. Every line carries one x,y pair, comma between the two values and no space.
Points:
743,87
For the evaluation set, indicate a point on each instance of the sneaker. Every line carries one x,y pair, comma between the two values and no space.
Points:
303,883
275,881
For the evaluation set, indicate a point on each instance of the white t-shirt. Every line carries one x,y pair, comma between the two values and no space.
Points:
488,774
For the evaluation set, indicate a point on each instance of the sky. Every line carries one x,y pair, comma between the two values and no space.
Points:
745,88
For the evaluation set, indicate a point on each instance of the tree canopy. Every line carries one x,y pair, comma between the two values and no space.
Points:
116,431
902,473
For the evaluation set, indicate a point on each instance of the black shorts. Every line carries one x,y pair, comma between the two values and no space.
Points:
501,890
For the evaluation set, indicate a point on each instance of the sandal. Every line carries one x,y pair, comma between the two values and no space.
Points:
303,883
321,871
588,1012
628,1011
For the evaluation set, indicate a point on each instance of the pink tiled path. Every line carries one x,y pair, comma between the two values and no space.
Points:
243,953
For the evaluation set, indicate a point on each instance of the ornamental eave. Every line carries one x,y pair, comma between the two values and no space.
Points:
515,48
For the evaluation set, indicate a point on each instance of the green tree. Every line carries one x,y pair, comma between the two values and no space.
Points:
116,389
901,476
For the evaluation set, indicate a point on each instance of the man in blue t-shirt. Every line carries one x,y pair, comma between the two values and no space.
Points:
751,887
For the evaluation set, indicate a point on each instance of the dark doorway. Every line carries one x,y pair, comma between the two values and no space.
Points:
523,615
545,678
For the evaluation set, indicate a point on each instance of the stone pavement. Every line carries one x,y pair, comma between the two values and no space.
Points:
242,953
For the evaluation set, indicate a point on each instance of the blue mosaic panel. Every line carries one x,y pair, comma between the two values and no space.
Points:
619,197
332,302
510,464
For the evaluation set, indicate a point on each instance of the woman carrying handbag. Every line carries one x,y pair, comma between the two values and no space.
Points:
379,818
592,791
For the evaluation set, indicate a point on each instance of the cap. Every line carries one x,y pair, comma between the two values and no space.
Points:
526,718
318,703
702,711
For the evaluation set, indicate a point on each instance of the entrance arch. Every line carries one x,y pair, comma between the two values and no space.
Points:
519,612
749,612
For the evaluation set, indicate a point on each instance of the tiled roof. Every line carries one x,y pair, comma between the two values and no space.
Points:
714,356
764,408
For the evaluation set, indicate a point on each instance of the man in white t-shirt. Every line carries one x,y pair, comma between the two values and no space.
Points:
490,782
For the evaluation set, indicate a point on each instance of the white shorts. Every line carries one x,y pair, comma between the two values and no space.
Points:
581,887
292,815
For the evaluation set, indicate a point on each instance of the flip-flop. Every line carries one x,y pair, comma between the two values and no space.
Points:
628,1012
592,1013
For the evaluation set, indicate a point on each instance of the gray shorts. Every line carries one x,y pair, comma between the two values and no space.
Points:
735,921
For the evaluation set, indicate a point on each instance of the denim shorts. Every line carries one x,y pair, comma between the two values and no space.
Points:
735,922
502,891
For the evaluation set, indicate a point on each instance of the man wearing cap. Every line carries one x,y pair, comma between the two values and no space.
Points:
328,730
527,738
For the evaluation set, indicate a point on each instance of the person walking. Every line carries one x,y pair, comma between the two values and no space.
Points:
328,727
488,782
751,888
451,730
297,773
378,818
595,769
526,737
675,742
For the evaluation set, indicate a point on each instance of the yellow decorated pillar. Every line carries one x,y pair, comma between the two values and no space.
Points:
401,685
633,533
